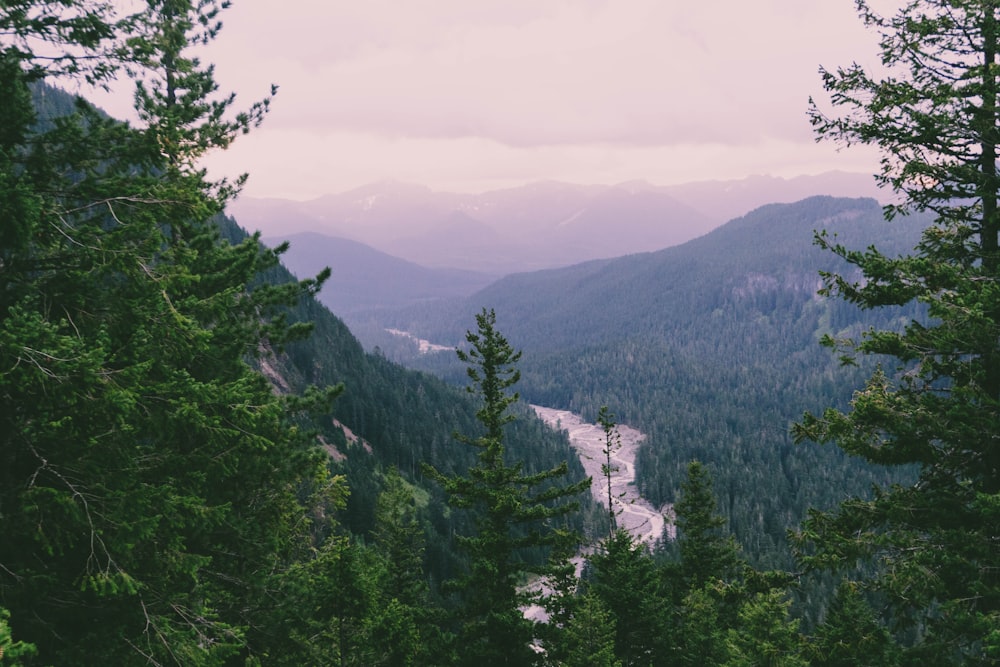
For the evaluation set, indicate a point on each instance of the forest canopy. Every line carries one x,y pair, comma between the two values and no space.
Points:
171,494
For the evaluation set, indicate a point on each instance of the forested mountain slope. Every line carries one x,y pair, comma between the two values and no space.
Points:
710,347
402,418
181,414
171,436
405,417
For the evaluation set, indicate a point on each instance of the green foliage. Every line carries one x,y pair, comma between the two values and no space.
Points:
703,574
400,540
512,511
705,553
491,367
337,595
700,639
623,577
852,635
590,636
934,403
720,610
406,624
153,484
765,635
559,596
71,38
11,652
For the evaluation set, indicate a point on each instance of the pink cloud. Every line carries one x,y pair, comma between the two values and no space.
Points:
588,89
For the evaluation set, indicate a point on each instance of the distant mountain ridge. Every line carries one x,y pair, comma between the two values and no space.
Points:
540,225
767,252
364,279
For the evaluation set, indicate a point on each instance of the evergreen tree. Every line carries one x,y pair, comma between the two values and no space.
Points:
559,596
764,635
706,554
400,539
152,485
612,443
405,626
851,635
590,636
512,510
700,635
705,582
623,576
934,115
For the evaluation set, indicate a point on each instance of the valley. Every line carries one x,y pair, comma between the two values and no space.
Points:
634,513
709,348
228,437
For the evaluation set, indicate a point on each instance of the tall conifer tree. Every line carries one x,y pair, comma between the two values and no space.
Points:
934,115
706,552
510,508
612,443
623,576
151,482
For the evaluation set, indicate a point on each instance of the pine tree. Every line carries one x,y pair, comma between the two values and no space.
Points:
400,538
934,403
405,624
590,636
706,553
700,635
152,484
623,576
851,635
512,510
765,635
705,579
559,596
612,443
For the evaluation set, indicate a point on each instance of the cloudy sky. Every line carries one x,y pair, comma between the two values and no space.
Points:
468,95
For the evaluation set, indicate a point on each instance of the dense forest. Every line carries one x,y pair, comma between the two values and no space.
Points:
199,465
710,348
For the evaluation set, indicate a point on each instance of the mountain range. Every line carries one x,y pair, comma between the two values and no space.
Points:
539,225
365,279
710,347
703,335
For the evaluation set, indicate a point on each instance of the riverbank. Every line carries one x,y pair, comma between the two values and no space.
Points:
635,513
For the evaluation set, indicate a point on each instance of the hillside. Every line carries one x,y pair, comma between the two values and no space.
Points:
389,416
181,416
710,347
365,279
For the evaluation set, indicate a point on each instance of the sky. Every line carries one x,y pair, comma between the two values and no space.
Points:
472,95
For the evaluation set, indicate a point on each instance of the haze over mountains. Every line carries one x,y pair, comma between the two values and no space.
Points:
762,264
539,225
365,279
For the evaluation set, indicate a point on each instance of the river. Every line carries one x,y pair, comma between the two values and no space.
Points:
635,513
